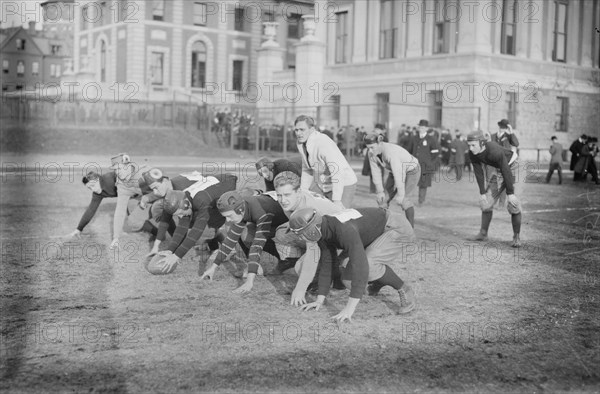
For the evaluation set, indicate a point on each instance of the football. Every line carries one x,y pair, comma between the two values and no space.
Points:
154,265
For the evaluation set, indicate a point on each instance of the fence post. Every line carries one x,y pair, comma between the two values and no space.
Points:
285,129
347,131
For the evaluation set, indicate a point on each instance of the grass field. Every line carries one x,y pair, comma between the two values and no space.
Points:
78,317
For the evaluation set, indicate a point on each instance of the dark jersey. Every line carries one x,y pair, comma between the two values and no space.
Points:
109,189
352,236
498,157
281,165
267,214
204,196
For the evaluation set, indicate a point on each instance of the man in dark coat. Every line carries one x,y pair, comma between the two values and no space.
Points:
575,149
426,150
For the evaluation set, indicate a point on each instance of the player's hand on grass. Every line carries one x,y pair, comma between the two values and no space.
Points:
298,297
169,261
165,253
247,286
348,311
114,244
314,305
209,273
74,235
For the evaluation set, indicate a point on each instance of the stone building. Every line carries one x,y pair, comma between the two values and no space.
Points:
462,65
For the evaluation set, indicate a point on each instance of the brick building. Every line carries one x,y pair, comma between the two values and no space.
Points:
176,49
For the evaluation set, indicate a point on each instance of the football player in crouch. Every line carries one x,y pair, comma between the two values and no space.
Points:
289,245
160,185
260,216
196,207
506,164
371,238
404,176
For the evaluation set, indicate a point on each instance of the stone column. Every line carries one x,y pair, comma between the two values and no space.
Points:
359,34
310,65
536,34
588,29
413,11
270,60
475,29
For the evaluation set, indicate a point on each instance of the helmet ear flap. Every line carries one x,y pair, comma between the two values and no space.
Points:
126,159
380,138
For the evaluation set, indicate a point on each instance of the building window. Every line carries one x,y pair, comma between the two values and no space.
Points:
19,86
238,70
436,101
20,44
158,10
157,68
102,61
511,108
387,32
383,100
198,65
335,102
5,66
20,68
559,51
55,49
295,24
239,19
55,70
341,37
441,32
508,30
199,14
268,16
35,68
562,114
4,87
84,17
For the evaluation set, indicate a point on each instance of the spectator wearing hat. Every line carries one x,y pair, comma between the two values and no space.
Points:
556,152
324,164
575,150
404,174
586,163
268,169
196,208
458,148
426,150
506,163
259,216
